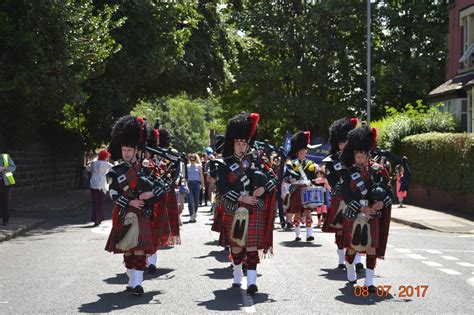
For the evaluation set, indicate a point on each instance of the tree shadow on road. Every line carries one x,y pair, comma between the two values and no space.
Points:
231,300
347,296
118,301
219,255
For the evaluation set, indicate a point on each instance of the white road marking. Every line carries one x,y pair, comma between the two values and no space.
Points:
449,271
247,300
471,281
416,256
390,245
450,258
433,251
3,302
465,264
403,250
432,263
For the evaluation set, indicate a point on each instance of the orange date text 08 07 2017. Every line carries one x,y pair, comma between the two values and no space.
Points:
386,290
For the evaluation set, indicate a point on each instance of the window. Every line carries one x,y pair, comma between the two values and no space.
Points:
465,40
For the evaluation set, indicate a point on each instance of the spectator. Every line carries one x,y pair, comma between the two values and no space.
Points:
195,179
182,191
403,180
7,167
98,184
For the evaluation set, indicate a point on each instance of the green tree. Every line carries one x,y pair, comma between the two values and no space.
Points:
49,50
300,63
187,119
168,47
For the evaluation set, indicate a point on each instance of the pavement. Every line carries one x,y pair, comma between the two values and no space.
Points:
29,213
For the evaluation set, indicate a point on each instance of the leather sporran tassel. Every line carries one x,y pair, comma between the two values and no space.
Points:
240,226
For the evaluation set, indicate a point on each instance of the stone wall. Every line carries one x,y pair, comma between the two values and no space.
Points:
40,171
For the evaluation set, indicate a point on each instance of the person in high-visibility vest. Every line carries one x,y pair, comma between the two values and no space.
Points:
7,167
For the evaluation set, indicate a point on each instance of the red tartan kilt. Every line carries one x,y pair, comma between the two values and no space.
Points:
374,232
161,225
335,201
259,232
145,236
295,201
173,212
218,223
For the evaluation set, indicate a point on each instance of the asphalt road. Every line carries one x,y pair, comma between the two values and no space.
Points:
62,267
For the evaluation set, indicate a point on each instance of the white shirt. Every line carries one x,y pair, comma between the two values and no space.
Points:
98,168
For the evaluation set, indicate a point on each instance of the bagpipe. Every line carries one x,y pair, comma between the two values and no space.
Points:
268,149
159,185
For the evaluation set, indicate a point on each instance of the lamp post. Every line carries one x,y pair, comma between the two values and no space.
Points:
369,66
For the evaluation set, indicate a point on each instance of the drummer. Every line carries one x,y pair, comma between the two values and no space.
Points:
321,181
300,172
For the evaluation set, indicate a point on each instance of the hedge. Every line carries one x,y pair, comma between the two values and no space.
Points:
411,121
441,160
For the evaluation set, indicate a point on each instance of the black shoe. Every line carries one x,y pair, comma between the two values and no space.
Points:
372,289
352,282
341,266
359,267
310,239
236,285
252,289
138,290
128,289
298,239
151,268
289,226
96,224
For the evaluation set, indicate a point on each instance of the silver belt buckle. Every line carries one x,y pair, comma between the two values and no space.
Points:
244,193
364,202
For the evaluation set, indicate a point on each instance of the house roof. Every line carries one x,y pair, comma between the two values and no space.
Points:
454,88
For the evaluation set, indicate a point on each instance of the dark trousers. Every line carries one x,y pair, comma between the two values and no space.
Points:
193,197
4,200
97,205
279,202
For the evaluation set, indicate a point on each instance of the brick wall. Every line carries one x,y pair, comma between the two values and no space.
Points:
40,171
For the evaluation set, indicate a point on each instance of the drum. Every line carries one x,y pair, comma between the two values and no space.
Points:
360,232
239,227
312,197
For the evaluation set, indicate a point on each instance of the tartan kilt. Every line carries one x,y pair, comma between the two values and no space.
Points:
295,201
374,232
145,236
335,201
219,211
384,230
171,204
160,225
259,234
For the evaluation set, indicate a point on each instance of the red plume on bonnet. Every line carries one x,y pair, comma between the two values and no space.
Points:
308,136
374,136
141,122
254,118
354,122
